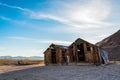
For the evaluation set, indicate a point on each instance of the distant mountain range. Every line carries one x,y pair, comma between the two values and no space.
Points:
112,45
22,57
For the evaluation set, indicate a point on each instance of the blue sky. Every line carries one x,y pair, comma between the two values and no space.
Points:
28,27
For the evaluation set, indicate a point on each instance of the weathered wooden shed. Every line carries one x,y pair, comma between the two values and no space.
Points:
55,54
80,51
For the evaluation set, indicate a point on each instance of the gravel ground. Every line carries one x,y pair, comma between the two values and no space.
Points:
108,72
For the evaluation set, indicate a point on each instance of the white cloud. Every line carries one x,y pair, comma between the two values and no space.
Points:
12,20
41,41
103,36
92,39
90,14
31,52
21,52
16,7
89,11
56,42
2,48
20,38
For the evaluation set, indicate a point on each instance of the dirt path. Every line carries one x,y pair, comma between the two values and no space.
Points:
9,68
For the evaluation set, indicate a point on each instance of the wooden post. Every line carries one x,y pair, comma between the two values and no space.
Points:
85,51
74,52
97,55
94,53
57,55
49,56
91,53
60,56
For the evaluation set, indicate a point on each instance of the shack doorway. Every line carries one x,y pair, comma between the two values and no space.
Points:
64,57
53,56
73,57
80,53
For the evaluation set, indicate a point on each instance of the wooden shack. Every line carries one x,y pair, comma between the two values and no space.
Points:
82,51
78,52
56,54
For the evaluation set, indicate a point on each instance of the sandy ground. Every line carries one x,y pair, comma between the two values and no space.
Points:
38,72
9,68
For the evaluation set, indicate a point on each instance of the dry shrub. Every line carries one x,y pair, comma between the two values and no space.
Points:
20,62
6,61
29,62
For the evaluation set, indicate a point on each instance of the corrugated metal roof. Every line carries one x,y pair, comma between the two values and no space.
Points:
62,46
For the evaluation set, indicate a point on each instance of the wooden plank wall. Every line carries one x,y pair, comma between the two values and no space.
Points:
90,57
85,51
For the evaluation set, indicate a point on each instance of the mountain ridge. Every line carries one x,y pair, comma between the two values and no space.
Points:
22,57
112,45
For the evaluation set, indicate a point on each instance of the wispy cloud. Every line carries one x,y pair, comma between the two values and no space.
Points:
2,48
21,38
41,41
90,14
16,7
12,20
34,52
56,42
92,39
21,51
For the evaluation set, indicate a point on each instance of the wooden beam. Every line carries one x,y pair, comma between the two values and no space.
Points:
85,51
91,53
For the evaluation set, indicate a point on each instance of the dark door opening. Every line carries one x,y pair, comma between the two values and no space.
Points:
80,53
103,61
73,57
63,57
53,56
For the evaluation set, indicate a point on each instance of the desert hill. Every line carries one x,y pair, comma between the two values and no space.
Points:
112,45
